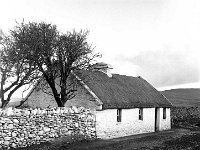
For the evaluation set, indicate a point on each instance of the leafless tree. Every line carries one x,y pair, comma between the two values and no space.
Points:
56,55
15,70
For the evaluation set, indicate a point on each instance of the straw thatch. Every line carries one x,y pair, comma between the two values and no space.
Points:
120,91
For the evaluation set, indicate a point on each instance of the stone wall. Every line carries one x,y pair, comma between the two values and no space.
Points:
22,127
184,114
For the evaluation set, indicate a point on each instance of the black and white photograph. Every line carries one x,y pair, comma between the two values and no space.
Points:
100,74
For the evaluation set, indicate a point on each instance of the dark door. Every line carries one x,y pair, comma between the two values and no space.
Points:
156,119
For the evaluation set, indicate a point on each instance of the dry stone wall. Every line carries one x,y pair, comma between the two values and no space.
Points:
23,127
184,114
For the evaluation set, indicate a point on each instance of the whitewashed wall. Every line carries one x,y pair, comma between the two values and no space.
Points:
108,127
163,124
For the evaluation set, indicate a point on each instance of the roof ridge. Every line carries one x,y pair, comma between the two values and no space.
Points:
155,89
30,92
88,88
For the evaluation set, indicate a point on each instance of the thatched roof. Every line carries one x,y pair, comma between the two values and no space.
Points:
120,91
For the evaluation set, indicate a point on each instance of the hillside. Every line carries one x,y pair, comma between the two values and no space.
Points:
183,97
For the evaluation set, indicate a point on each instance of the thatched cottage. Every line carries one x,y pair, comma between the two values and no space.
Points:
124,105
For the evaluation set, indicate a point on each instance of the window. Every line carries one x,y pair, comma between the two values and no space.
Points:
164,113
119,115
140,113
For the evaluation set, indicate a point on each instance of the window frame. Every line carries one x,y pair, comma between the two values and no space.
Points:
119,115
140,114
164,113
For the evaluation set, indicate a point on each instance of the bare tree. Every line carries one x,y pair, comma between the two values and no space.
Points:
56,55
15,69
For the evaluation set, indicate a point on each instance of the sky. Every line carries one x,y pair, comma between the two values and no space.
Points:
156,39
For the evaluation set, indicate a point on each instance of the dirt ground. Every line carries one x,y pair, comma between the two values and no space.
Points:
179,138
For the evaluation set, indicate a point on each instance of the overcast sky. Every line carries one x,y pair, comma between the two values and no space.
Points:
156,39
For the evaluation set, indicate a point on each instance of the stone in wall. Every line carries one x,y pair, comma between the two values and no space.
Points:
23,127
184,114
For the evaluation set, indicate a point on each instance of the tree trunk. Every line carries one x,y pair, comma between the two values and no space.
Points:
56,95
4,103
63,89
2,89
58,101
51,83
63,95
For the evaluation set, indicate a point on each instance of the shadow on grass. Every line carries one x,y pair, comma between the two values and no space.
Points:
191,141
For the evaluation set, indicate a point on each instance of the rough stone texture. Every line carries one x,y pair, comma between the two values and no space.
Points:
108,127
22,127
184,114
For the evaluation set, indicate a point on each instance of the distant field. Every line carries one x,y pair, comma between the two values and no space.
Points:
183,97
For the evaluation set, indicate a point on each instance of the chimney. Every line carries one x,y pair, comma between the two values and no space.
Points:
103,67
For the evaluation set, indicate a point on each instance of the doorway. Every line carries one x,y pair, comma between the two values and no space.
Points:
156,120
